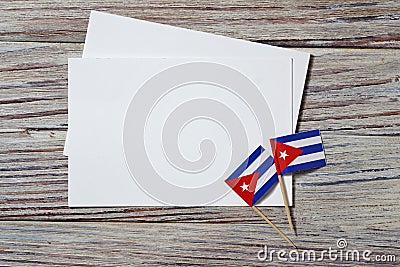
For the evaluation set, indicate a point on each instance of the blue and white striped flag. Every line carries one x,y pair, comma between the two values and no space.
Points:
295,152
241,185
298,152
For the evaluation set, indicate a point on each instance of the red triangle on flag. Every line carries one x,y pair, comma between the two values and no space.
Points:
245,186
283,154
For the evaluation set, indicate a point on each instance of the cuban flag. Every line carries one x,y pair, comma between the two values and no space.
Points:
298,152
252,187
295,152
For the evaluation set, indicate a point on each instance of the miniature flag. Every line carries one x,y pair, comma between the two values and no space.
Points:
244,186
247,186
298,152
253,186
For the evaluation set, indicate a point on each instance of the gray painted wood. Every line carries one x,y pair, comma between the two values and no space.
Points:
352,95
296,23
181,244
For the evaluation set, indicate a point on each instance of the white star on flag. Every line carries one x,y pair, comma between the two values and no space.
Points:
245,187
283,155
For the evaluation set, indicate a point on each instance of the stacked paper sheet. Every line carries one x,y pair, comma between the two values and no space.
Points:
160,115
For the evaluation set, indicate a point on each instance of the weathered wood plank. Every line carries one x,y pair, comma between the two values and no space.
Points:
356,91
137,244
360,183
295,23
352,95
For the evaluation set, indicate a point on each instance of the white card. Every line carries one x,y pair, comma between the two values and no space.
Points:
112,36
157,132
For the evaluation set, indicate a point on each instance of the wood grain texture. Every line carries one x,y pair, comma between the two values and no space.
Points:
324,23
170,244
347,89
352,95
34,187
357,111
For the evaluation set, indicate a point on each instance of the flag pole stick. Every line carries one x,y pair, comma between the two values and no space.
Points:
285,200
273,226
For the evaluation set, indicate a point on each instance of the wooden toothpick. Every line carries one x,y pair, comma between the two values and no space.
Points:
273,226
285,200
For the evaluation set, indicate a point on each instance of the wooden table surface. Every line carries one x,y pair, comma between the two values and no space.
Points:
352,94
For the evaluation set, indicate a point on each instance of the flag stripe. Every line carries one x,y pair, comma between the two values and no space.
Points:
305,166
265,188
263,179
297,136
309,157
311,149
245,164
305,141
265,166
